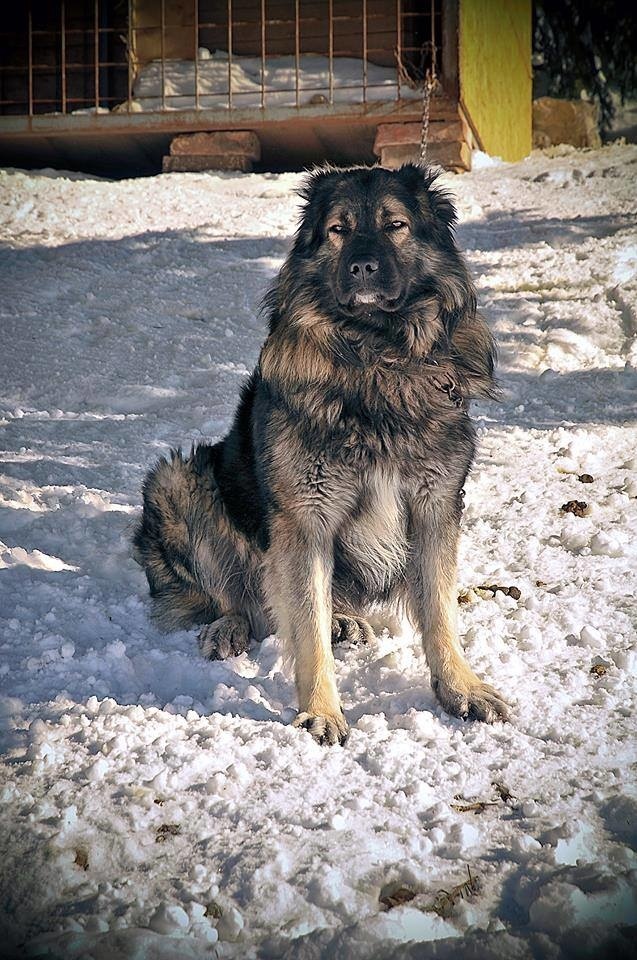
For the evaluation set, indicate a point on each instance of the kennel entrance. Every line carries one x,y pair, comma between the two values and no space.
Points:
160,55
315,77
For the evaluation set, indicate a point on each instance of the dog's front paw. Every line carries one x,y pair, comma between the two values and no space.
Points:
327,730
470,699
225,637
346,629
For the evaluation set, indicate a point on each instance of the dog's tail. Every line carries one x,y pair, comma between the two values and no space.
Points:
162,545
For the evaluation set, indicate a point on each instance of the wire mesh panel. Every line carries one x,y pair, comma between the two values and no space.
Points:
131,56
63,57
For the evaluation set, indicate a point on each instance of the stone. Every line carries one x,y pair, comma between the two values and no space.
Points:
565,121
454,155
198,163
218,143
394,134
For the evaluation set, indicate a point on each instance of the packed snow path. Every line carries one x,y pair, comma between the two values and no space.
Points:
156,805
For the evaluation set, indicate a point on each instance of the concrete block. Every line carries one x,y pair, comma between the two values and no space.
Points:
199,163
394,134
217,143
454,155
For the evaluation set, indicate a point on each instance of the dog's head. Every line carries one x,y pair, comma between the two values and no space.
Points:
374,243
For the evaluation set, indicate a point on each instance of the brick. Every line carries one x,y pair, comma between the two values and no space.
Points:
395,134
218,143
198,163
454,155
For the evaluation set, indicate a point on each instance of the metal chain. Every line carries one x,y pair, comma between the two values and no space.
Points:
430,83
424,128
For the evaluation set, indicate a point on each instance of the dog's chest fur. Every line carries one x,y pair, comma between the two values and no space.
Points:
372,545
360,404
386,435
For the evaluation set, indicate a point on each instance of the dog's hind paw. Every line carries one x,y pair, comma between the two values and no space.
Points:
474,701
346,629
328,730
225,637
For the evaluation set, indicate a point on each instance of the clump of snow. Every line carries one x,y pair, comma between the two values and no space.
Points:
560,906
626,264
169,918
484,161
154,804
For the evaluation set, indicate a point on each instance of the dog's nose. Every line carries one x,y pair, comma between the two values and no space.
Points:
362,268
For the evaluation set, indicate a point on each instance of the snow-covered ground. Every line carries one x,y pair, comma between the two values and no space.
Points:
155,805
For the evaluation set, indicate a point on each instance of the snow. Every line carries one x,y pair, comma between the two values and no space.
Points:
353,81
156,805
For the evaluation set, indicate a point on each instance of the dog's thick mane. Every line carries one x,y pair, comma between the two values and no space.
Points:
307,345
309,339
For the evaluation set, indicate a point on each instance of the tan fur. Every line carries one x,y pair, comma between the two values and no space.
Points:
299,588
298,357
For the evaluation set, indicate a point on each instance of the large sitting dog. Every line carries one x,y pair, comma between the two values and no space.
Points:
339,487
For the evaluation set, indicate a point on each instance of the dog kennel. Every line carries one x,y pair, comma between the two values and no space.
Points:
307,79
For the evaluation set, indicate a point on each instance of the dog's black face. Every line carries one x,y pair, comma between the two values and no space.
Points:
365,241
375,242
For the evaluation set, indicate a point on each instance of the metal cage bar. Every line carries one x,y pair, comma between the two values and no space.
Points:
399,45
330,55
297,54
96,54
30,58
364,51
63,53
46,70
263,54
130,53
229,54
196,39
432,28
162,41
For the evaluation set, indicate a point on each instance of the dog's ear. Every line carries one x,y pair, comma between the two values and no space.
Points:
315,192
437,220
436,205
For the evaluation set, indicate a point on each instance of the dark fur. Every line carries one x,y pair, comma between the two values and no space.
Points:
338,488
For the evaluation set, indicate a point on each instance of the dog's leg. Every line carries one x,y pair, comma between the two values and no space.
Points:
433,606
299,585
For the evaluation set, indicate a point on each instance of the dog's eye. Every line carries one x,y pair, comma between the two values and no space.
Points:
396,225
338,228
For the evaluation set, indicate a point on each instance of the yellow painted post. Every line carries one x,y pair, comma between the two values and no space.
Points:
494,61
